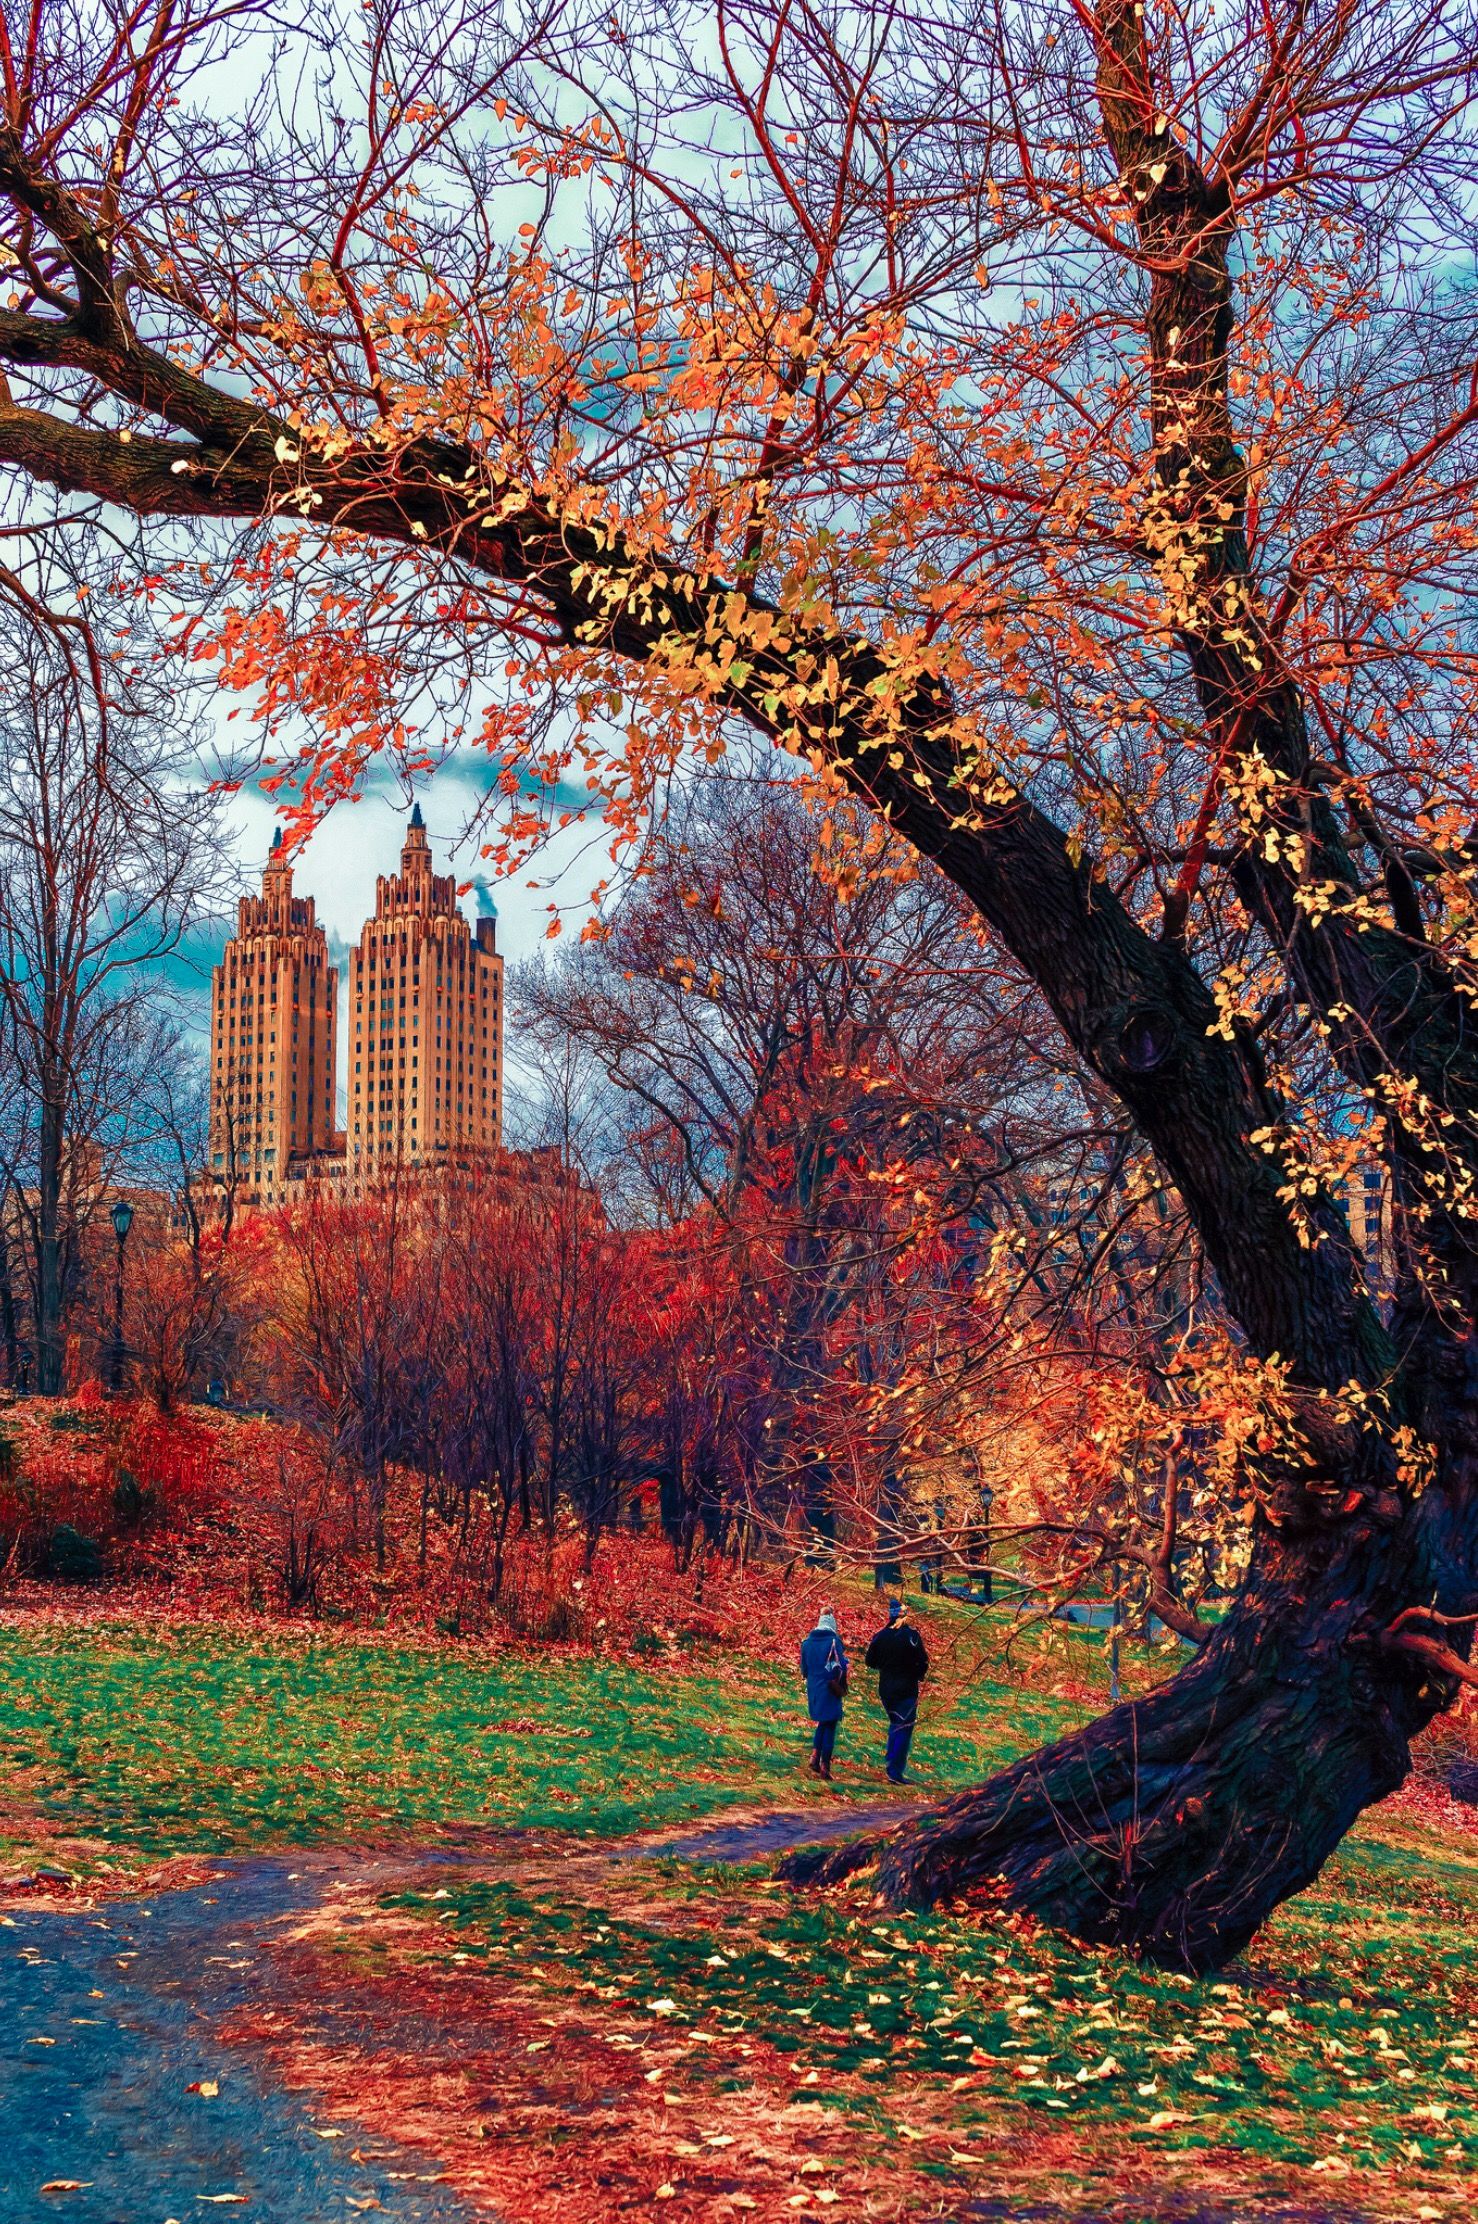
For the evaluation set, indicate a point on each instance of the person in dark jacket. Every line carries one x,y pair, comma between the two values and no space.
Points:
824,1666
899,1656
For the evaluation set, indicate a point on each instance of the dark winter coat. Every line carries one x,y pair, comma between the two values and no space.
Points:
899,1655
822,1662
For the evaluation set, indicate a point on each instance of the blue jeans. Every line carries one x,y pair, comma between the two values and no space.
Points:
902,1715
824,1742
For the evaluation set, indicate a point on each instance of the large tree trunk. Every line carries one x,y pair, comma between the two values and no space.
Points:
1175,1824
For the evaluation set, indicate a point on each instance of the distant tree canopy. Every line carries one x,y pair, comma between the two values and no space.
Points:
109,856
1057,427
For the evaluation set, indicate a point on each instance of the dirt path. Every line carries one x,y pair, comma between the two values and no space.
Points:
749,1837
109,2057
107,2020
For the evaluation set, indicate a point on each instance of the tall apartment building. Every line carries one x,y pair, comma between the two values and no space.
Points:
425,1024
274,1012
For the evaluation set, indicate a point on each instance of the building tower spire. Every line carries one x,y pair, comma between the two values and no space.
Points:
426,1006
274,1017
415,855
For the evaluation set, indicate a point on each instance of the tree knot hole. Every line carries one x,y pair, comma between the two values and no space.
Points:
1146,1040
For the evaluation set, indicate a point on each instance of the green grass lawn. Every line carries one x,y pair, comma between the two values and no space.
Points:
208,1738
1344,2047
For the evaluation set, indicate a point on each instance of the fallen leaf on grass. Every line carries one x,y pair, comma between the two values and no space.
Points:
1108,2067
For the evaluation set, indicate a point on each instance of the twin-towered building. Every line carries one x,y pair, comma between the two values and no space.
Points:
425,1035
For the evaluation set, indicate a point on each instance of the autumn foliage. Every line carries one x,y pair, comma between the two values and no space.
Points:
1054,428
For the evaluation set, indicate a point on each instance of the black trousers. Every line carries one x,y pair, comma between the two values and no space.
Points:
903,1713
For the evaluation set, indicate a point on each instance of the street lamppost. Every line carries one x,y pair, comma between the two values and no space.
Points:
985,1586
122,1222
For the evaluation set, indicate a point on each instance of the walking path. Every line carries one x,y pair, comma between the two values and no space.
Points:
758,1837
107,2043
118,2105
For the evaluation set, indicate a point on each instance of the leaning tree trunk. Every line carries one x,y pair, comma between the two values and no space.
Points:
1175,1824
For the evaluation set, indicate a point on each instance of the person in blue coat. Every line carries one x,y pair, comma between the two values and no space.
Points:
824,1666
